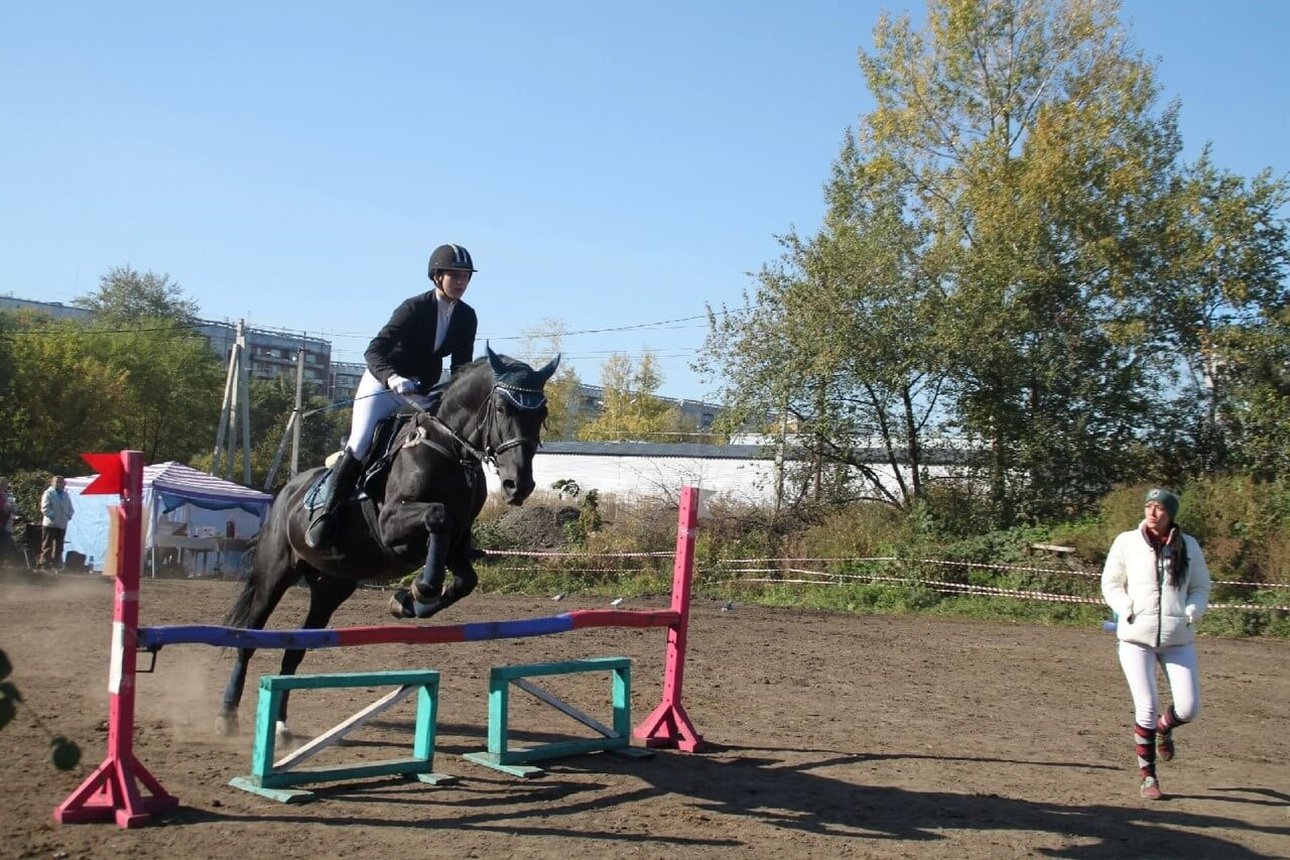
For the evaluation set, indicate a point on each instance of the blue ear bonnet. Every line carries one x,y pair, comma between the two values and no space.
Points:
521,385
522,398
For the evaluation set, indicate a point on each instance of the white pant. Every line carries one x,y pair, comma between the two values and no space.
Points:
1179,663
372,402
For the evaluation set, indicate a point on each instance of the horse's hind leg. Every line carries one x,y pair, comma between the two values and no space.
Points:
326,594
258,600
261,595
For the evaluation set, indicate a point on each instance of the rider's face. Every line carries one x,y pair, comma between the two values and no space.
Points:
452,284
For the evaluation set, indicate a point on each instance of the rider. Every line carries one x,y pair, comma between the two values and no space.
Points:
405,355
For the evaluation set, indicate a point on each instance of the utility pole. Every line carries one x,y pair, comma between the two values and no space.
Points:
230,437
229,381
244,399
292,431
296,416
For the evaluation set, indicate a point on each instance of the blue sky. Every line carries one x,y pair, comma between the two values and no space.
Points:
610,165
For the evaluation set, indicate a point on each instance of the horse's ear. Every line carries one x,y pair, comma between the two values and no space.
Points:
494,361
545,373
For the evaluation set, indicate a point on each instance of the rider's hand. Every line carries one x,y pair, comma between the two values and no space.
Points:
402,385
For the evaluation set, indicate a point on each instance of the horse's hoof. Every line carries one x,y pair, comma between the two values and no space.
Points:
226,725
283,737
401,604
427,595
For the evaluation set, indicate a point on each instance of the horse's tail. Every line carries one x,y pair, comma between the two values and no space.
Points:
240,613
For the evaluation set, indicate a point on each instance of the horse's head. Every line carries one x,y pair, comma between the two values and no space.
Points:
512,427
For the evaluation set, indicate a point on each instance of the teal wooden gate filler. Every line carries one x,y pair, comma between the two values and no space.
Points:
616,739
278,780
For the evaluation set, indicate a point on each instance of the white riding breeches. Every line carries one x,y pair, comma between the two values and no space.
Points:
1179,663
372,402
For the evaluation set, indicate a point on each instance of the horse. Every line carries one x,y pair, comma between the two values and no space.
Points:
492,411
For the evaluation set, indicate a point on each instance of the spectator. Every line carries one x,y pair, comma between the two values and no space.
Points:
56,512
7,516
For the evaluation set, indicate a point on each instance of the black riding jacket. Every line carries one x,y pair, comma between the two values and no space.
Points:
405,345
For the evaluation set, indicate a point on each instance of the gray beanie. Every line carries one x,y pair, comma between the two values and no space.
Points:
1165,499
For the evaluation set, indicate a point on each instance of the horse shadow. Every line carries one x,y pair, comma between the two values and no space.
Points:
779,789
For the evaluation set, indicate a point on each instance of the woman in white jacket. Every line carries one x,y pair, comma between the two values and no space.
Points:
1156,582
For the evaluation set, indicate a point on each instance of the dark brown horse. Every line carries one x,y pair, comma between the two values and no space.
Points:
491,412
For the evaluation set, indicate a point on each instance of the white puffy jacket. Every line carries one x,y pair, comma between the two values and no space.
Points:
1149,610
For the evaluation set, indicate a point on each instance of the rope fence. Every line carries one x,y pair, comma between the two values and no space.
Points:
784,571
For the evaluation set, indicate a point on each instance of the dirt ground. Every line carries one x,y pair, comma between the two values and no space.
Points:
832,736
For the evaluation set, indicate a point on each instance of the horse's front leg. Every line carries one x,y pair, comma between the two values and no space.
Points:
427,594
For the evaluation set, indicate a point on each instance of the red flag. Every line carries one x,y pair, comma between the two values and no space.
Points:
111,474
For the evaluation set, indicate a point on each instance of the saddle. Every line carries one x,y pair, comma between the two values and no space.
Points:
370,486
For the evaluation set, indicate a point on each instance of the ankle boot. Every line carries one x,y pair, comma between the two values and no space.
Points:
339,485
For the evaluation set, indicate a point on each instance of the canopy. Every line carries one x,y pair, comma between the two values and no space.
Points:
184,509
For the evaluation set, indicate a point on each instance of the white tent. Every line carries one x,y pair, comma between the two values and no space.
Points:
191,513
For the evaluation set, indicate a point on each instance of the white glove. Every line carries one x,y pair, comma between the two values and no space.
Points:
401,384
1190,612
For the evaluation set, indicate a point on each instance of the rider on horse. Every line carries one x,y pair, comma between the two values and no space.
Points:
405,356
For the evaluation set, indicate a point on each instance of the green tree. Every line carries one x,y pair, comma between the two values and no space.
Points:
60,395
1252,369
834,353
129,296
173,387
564,390
631,410
1029,143
1219,307
143,328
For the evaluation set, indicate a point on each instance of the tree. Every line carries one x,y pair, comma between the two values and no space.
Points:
837,343
564,390
143,329
1252,369
129,296
630,409
60,395
1027,138
1219,307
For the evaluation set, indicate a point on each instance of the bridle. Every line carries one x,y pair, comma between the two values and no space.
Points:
483,451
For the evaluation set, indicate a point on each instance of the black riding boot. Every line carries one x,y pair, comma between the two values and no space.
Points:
339,485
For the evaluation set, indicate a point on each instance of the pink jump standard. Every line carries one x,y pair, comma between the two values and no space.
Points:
669,725
112,790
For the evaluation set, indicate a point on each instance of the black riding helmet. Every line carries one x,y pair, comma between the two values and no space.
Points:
452,258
